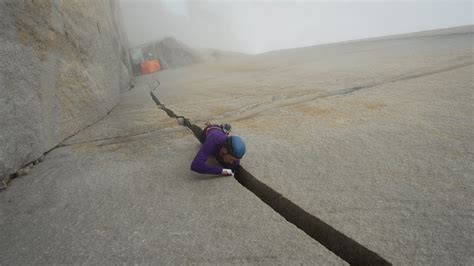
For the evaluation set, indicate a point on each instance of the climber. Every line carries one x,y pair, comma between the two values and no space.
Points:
227,149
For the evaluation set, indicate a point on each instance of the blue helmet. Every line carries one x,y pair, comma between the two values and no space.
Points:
236,146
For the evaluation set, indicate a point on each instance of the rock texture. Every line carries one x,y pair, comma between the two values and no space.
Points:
131,198
63,65
374,137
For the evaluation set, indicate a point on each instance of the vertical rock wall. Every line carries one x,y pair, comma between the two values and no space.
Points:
63,65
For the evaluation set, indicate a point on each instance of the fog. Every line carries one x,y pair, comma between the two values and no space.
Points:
259,26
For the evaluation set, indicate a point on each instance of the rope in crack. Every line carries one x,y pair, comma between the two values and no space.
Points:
337,242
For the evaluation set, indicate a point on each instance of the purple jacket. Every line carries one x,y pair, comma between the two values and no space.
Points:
214,141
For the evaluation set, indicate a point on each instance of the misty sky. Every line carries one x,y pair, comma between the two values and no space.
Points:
260,26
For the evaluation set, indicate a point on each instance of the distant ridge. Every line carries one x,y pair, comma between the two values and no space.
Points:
426,33
418,34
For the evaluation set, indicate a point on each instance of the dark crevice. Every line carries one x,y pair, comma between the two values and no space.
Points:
343,246
251,112
419,75
110,138
401,78
6,181
184,121
62,143
347,91
335,241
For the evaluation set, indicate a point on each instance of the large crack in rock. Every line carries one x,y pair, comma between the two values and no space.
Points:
264,107
400,78
343,246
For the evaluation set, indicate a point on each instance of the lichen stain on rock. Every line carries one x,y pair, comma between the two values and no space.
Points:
76,91
264,125
35,29
312,110
368,104
220,110
32,24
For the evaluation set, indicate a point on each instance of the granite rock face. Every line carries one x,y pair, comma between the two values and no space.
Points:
372,137
63,65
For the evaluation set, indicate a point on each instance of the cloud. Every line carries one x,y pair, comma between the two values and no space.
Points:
259,26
